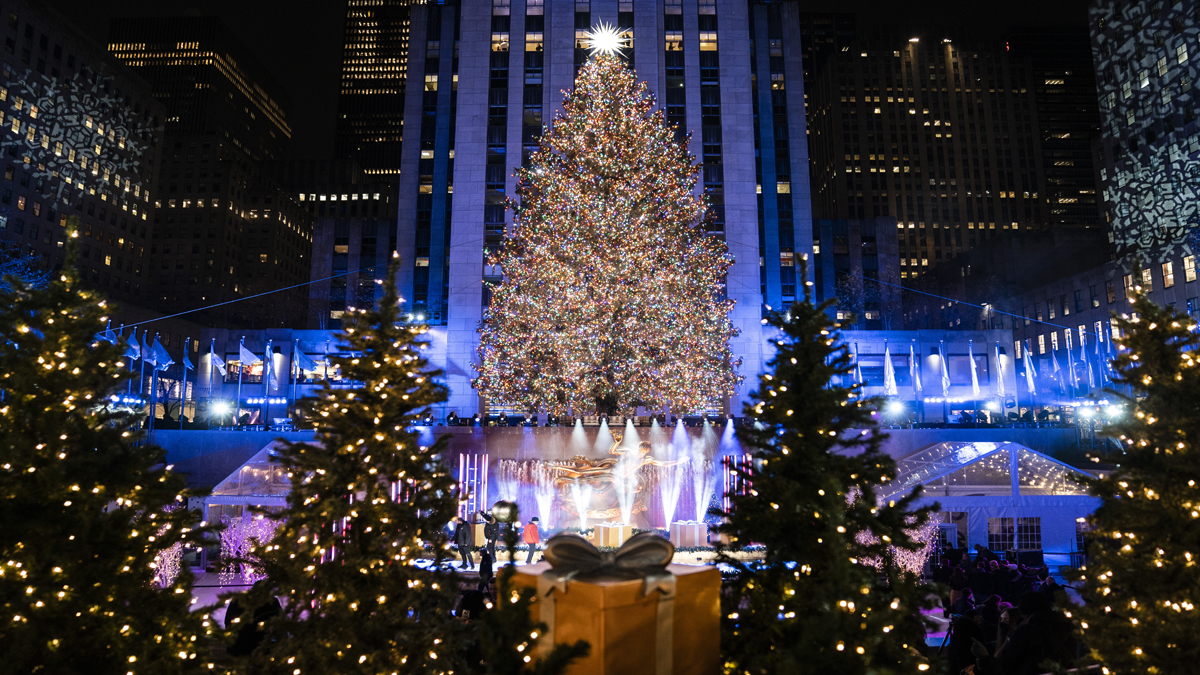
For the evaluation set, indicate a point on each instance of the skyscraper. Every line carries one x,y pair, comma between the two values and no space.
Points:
938,133
1147,64
1068,117
354,233
81,136
370,124
728,72
223,229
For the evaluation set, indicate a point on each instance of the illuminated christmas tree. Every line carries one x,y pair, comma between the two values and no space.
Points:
90,520
365,497
828,597
612,295
1142,581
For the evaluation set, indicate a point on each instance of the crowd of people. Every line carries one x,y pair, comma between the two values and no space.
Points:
463,538
1005,618
474,601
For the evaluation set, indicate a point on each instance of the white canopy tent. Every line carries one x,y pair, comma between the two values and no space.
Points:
1012,497
261,481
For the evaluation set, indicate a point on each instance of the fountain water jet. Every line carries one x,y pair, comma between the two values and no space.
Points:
625,478
544,490
582,496
704,483
670,475
509,473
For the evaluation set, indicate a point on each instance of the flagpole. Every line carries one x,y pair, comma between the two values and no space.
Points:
187,344
142,365
241,367
129,383
292,371
211,345
153,394
1016,385
268,362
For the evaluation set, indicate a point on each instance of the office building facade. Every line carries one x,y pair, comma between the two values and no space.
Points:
354,234
858,263
224,230
938,133
370,123
1146,59
81,137
493,72
1068,119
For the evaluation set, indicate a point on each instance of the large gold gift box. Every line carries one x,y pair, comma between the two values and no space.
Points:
689,534
623,625
480,540
611,534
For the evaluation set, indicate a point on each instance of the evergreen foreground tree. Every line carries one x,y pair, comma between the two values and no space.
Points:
84,512
817,603
365,497
1142,580
612,295
367,502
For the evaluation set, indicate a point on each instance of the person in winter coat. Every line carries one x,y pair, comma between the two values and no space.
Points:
464,538
965,603
1045,635
532,538
485,566
966,630
980,580
251,634
491,532
958,581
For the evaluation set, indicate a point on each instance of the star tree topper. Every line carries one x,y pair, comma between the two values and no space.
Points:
606,38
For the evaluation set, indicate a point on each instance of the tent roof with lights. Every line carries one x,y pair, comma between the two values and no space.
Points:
990,480
984,469
261,481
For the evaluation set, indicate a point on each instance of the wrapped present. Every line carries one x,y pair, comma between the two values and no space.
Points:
480,540
639,613
611,534
689,533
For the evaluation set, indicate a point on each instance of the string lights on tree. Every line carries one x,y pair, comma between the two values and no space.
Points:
88,514
1141,584
359,549
830,594
613,295
366,496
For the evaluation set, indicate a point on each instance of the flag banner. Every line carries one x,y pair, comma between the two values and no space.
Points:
305,362
889,373
248,358
974,370
1030,373
108,335
1000,391
945,371
1056,370
134,350
270,378
187,363
162,360
147,355
914,369
1091,375
858,378
219,364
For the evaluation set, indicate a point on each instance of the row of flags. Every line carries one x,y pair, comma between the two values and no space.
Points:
154,354
1095,366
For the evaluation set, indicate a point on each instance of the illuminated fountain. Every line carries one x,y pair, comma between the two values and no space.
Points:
621,485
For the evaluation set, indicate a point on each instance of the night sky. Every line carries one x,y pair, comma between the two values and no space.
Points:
299,41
